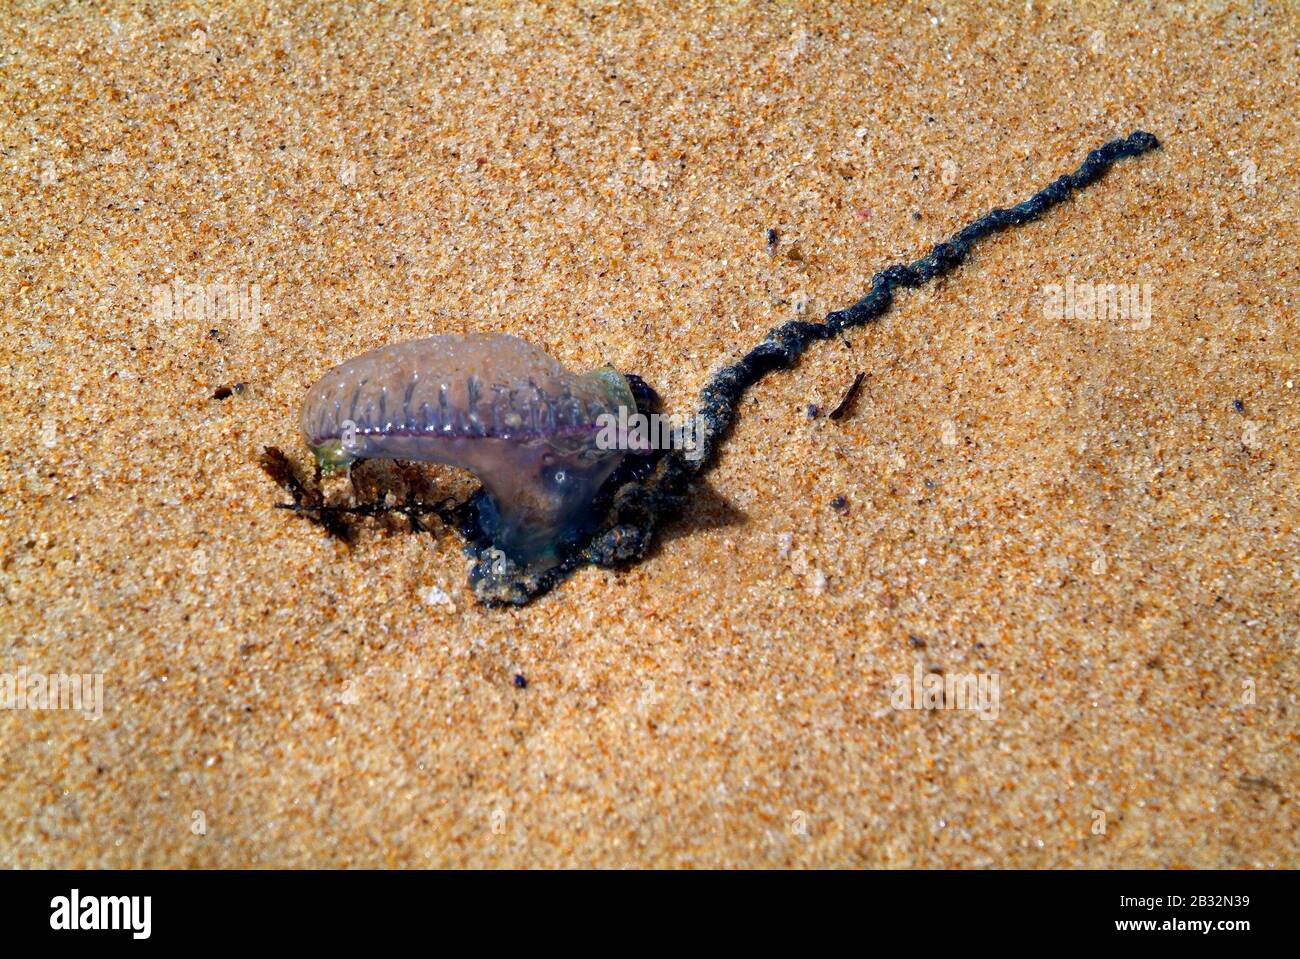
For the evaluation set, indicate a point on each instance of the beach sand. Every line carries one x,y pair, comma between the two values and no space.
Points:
1096,516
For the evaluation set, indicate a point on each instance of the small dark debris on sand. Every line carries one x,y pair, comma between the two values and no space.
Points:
844,407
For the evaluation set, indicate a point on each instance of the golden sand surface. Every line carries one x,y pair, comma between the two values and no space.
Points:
1097,513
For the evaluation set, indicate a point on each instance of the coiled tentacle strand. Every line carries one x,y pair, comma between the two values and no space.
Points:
638,505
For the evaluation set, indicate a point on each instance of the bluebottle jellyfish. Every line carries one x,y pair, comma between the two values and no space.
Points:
492,404
552,499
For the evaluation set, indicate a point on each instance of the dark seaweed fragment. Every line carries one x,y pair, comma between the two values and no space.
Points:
307,497
281,470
